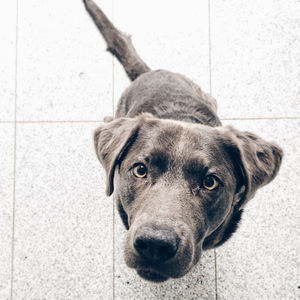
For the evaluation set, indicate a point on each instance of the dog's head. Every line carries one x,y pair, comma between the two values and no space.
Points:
180,187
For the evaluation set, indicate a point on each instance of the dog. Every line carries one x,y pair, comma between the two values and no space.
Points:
180,179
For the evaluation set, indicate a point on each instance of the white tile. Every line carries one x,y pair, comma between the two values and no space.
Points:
255,58
6,206
167,35
63,235
261,260
7,60
64,71
199,283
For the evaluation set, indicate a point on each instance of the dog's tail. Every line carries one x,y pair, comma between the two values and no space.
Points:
117,42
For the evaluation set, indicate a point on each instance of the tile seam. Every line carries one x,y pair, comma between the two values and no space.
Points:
101,121
209,49
260,118
210,91
15,154
113,206
49,121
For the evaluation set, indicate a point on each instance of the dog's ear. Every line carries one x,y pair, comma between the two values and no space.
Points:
111,141
257,161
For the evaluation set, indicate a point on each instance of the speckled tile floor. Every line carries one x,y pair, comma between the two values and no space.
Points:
60,237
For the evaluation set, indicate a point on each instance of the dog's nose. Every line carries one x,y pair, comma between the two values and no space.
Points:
157,244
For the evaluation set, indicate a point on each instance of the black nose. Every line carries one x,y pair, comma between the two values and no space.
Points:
156,244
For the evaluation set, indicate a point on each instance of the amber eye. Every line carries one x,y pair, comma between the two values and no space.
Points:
140,171
210,183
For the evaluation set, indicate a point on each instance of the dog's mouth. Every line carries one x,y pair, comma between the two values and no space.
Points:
151,275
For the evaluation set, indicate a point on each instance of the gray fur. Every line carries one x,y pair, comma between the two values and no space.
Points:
166,122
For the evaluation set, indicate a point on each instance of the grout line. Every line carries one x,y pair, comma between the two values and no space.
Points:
260,118
15,159
113,86
209,47
210,91
216,276
113,66
49,121
101,121
114,244
113,206
67,121
13,214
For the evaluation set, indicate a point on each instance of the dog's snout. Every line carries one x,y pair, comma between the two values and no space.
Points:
156,244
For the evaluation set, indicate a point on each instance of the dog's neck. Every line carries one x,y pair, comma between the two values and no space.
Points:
224,231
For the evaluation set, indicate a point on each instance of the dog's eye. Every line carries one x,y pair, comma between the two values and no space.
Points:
140,171
210,182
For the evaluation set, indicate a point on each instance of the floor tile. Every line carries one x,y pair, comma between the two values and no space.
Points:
261,261
64,71
7,60
167,35
63,235
6,206
198,284
255,58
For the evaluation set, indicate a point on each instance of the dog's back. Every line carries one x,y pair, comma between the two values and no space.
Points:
168,95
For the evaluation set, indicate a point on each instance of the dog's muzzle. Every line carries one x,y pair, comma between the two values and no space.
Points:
156,245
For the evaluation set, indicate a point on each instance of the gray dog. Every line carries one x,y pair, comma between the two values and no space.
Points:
180,178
